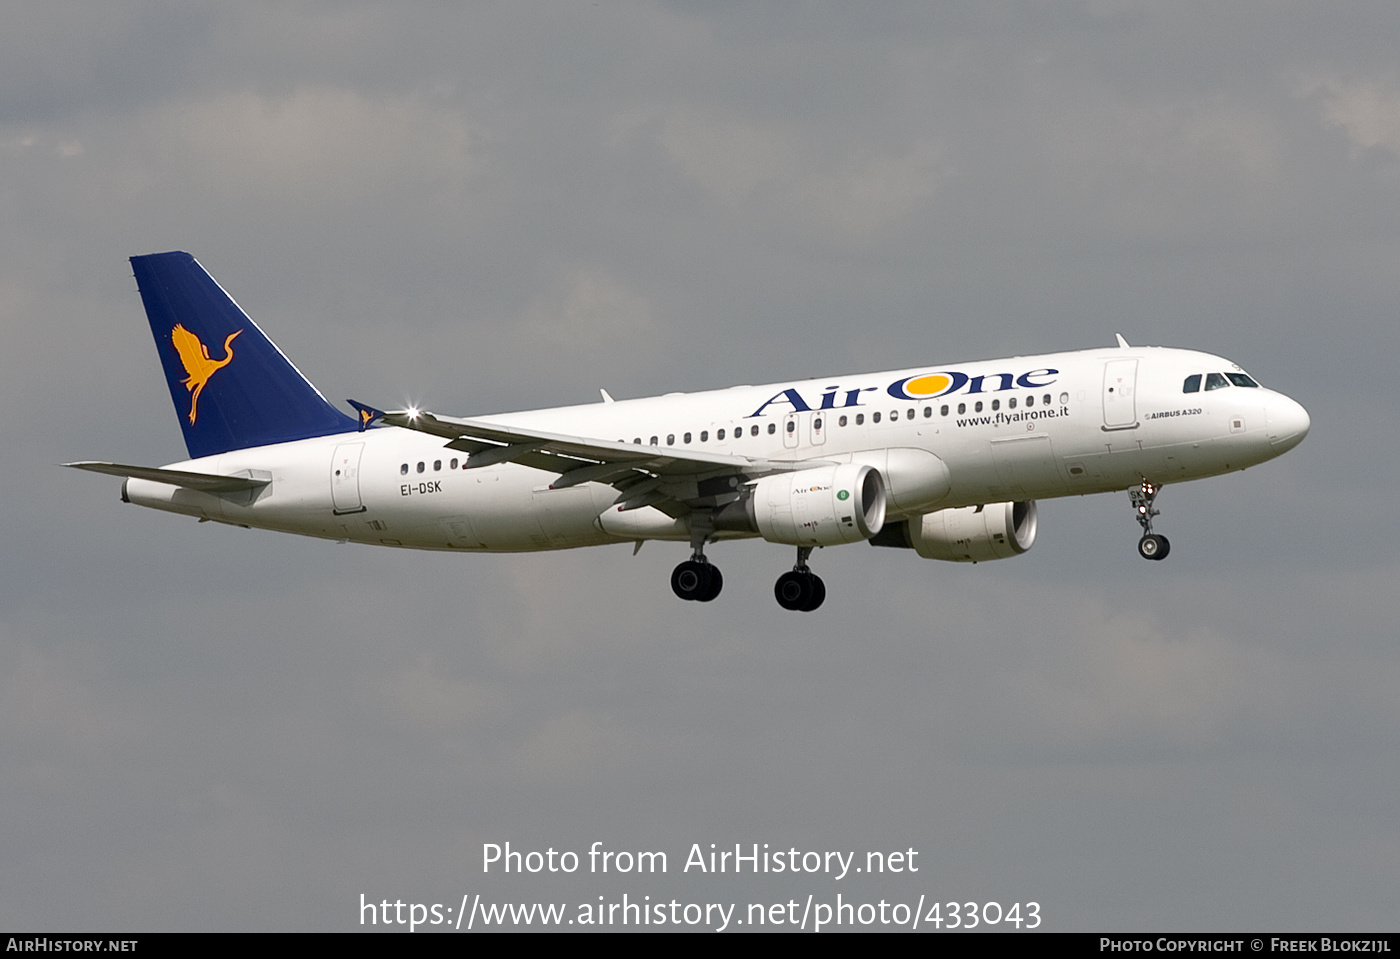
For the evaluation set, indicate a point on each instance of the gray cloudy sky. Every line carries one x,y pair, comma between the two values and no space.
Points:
493,207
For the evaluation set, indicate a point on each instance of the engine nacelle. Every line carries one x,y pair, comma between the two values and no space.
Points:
819,507
968,534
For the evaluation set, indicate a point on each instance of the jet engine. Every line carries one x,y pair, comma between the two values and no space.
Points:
968,534
826,506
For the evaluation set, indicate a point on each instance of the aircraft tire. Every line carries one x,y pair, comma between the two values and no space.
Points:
1153,546
818,594
795,590
716,584
692,581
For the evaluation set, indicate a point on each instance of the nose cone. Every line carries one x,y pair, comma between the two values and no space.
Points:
1288,423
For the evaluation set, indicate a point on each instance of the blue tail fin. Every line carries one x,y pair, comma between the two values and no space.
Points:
231,385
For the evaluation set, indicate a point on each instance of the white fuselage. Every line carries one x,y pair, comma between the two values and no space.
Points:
988,431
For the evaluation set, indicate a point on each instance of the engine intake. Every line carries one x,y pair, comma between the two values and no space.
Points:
967,534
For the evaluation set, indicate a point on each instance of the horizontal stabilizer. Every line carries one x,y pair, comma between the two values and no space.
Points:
204,482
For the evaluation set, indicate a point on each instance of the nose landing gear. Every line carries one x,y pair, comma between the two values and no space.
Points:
1152,545
801,589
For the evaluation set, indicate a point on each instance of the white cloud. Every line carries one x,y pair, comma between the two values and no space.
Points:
428,694
1367,111
317,142
809,180
1164,166
587,310
579,745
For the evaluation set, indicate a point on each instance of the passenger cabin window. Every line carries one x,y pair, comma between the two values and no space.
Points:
977,407
754,431
719,435
437,466
772,428
1192,384
860,418
1030,400
453,465
704,436
996,404
687,437
653,441
874,417
1241,379
403,470
841,421
943,410
928,411
962,408
670,439
1214,381
1011,403
420,466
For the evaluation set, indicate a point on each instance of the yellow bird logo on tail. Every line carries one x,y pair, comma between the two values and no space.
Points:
195,356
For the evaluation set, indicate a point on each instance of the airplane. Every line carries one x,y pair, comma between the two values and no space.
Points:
946,460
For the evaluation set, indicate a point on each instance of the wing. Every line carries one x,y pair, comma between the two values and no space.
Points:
671,479
204,482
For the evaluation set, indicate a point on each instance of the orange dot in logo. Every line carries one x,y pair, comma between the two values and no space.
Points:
927,385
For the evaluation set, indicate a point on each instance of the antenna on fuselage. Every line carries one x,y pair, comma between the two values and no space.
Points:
1122,343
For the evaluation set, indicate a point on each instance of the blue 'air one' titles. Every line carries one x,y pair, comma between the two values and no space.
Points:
921,386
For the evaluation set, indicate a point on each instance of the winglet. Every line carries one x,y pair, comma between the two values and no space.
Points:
1122,343
368,414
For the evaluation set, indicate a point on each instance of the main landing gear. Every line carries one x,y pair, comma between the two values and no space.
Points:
699,580
801,589
696,578
1152,545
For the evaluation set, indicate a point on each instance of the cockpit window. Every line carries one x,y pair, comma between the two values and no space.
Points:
1241,379
1192,384
1214,381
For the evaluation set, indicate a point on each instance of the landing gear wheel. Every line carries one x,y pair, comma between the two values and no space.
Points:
794,590
696,581
800,590
1154,546
716,584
